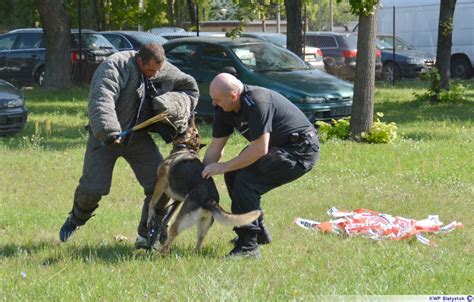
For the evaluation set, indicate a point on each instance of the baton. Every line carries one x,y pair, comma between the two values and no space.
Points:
157,118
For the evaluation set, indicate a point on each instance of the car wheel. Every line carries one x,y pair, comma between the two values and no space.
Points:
390,71
460,68
40,76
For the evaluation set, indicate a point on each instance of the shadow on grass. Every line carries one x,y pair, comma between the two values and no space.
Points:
110,253
119,252
58,108
415,111
13,250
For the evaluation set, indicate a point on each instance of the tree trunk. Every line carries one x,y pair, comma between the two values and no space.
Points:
294,29
364,84
171,12
56,26
445,37
177,14
192,11
99,17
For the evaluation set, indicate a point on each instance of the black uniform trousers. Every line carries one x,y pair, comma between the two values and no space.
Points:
279,166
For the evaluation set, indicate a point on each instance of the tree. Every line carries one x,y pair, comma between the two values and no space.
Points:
294,27
192,11
364,84
17,14
443,52
319,14
56,27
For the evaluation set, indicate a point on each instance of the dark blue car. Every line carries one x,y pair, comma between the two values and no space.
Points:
22,53
408,63
131,40
13,113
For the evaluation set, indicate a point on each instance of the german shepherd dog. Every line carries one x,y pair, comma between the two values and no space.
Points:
196,199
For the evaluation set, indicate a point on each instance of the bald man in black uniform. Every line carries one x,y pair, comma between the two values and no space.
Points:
283,146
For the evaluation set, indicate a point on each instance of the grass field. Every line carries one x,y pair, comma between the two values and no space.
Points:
428,170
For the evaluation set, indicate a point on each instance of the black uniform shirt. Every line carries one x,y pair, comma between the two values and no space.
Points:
261,111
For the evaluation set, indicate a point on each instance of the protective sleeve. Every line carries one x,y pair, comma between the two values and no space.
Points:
178,93
105,89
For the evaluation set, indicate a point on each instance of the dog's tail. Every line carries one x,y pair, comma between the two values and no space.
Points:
226,218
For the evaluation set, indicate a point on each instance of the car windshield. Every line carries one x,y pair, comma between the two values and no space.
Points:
386,42
92,41
266,57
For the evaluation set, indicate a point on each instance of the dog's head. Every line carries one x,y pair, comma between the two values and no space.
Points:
189,139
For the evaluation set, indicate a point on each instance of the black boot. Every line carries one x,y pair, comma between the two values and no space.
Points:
263,235
68,229
246,245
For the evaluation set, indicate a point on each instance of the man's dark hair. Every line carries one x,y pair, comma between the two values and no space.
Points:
151,51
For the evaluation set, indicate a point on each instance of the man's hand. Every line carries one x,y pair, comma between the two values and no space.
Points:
213,169
113,140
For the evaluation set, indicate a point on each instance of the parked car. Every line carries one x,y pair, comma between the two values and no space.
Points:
312,55
13,113
162,30
408,63
131,40
319,95
418,21
22,53
340,53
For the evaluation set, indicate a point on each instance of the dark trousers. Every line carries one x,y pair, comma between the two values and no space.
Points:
142,155
280,166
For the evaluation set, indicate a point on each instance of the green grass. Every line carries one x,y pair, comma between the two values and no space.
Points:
428,170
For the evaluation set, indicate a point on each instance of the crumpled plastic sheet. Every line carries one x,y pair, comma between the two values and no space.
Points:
378,226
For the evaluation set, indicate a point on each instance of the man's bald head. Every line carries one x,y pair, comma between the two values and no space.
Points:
225,90
225,83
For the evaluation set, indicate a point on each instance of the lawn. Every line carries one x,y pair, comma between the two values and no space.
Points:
428,170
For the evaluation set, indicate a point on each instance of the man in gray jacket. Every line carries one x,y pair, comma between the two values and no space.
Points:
126,89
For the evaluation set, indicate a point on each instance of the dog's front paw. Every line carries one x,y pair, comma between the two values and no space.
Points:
165,249
163,234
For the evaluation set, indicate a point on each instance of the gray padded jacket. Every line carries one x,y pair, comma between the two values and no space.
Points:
117,88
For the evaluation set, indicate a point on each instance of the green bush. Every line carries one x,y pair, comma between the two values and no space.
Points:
338,129
454,95
381,132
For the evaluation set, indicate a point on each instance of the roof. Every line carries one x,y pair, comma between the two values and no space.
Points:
261,33
219,40
193,34
40,30
130,32
330,33
410,3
